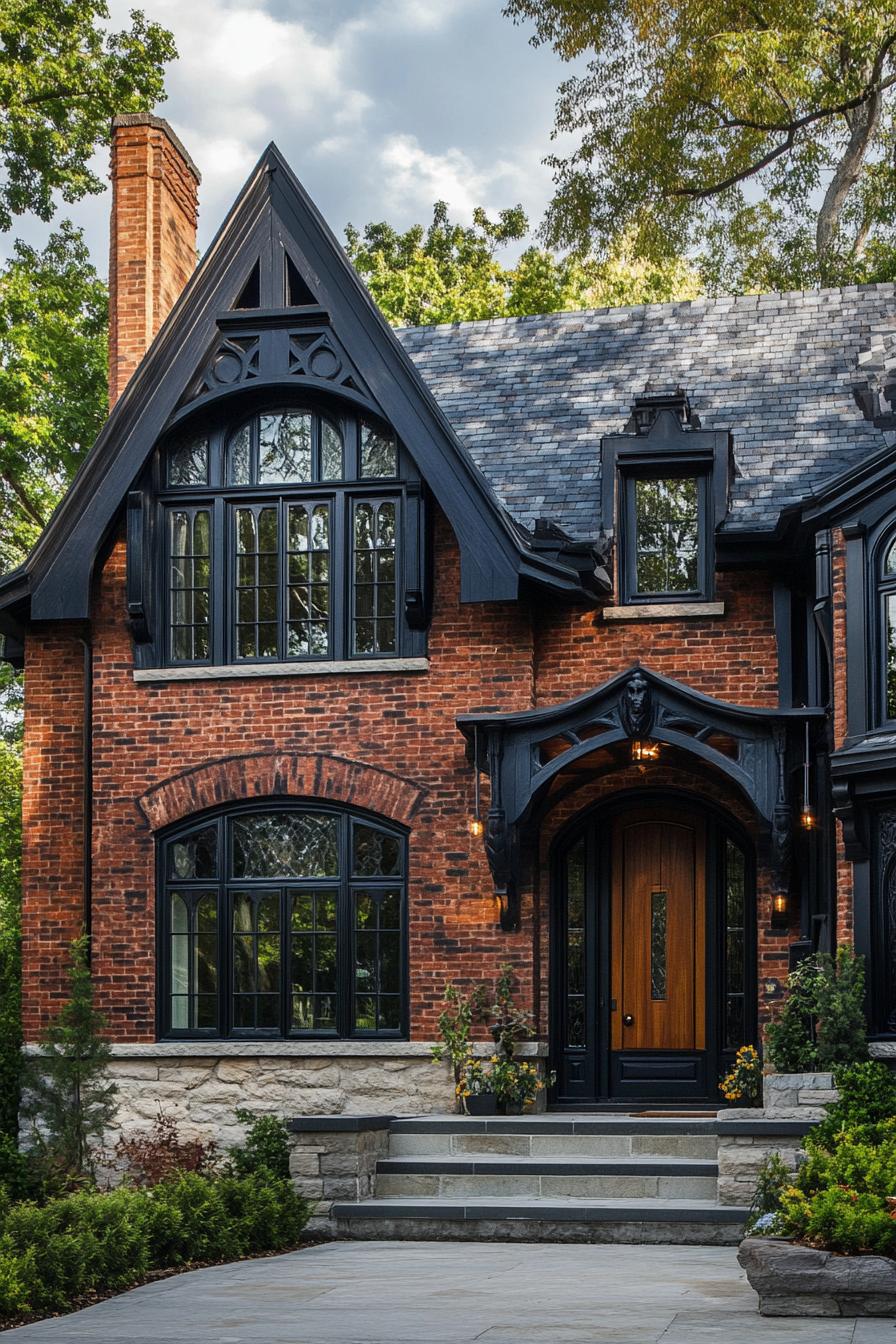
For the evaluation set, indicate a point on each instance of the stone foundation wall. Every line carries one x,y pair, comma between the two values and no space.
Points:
201,1085
334,1158
783,1093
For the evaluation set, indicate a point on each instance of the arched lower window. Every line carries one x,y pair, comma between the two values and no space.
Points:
887,606
283,921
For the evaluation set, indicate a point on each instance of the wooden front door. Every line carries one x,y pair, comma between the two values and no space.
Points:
658,957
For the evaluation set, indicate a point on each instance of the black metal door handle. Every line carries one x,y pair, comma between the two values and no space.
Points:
628,1020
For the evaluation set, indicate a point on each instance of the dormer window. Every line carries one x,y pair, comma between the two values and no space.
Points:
664,491
292,536
665,537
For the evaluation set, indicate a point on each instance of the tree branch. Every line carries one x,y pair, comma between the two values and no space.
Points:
24,499
702,193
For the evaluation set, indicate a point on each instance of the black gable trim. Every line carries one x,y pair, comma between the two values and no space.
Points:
273,219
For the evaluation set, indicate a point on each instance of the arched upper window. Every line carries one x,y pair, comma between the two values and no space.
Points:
887,609
283,921
292,535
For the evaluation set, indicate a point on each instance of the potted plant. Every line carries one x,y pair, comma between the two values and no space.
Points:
743,1082
516,1084
475,1088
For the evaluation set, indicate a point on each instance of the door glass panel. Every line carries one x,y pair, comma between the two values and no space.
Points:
891,656
658,941
735,943
575,947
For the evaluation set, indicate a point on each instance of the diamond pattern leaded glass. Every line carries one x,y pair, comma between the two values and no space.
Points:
285,844
188,463
658,926
378,454
374,853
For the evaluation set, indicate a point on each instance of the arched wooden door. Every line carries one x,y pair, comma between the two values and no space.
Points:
653,958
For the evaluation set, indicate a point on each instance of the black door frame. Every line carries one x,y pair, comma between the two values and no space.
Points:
584,1075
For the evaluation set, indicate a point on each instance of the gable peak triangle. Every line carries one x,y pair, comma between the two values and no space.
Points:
273,218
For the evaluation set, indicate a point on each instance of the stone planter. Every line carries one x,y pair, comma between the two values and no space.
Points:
796,1280
792,1091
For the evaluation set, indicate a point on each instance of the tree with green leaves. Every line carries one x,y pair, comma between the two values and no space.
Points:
451,273
63,77
69,1094
761,134
53,379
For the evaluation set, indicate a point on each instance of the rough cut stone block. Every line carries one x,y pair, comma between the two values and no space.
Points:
796,1280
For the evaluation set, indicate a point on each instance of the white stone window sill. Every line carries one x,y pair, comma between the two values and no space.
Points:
665,611
255,670
307,1049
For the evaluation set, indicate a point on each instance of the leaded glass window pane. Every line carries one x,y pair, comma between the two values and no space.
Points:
890,602
188,463
331,464
239,457
313,962
890,561
377,960
374,572
379,455
375,853
194,855
285,844
193,960
308,576
189,584
576,996
659,902
257,582
735,945
667,535
284,448
256,960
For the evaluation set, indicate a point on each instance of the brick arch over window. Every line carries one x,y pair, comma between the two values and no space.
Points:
281,775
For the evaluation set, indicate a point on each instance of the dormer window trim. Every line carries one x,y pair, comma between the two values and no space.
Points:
666,446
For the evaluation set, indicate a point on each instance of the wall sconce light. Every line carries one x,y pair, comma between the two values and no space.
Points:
476,826
807,815
645,750
780,910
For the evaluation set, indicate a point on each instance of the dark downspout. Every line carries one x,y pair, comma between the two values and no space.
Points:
87,799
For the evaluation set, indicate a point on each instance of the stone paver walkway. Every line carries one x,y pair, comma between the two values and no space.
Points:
451,1293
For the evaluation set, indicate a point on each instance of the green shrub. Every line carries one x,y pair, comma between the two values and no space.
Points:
265,1147
822,1021
19,1175
866,1099
50,1256
839,1219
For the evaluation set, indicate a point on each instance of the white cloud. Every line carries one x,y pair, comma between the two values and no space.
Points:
418,177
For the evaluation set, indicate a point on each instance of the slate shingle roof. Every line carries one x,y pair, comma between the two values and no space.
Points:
531,397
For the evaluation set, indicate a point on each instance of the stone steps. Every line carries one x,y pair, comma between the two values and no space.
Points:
649,1179
622,1221
584,1177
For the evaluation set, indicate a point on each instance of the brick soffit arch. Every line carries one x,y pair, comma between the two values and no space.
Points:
308,775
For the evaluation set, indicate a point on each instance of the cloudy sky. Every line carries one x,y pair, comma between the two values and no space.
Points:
381,106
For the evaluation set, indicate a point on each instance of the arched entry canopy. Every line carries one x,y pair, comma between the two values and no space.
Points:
524,752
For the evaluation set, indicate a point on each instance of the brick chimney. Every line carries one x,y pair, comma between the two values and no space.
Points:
152,247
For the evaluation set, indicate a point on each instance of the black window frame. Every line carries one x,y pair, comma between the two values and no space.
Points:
630,594
148,545
225,884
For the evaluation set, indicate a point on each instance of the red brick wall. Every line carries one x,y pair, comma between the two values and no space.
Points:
389,742
152,244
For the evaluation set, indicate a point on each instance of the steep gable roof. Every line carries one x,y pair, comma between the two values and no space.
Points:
532,397
273,217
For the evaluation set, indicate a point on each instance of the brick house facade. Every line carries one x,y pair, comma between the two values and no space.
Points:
357,662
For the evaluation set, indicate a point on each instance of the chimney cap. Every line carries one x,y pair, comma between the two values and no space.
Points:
159,124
